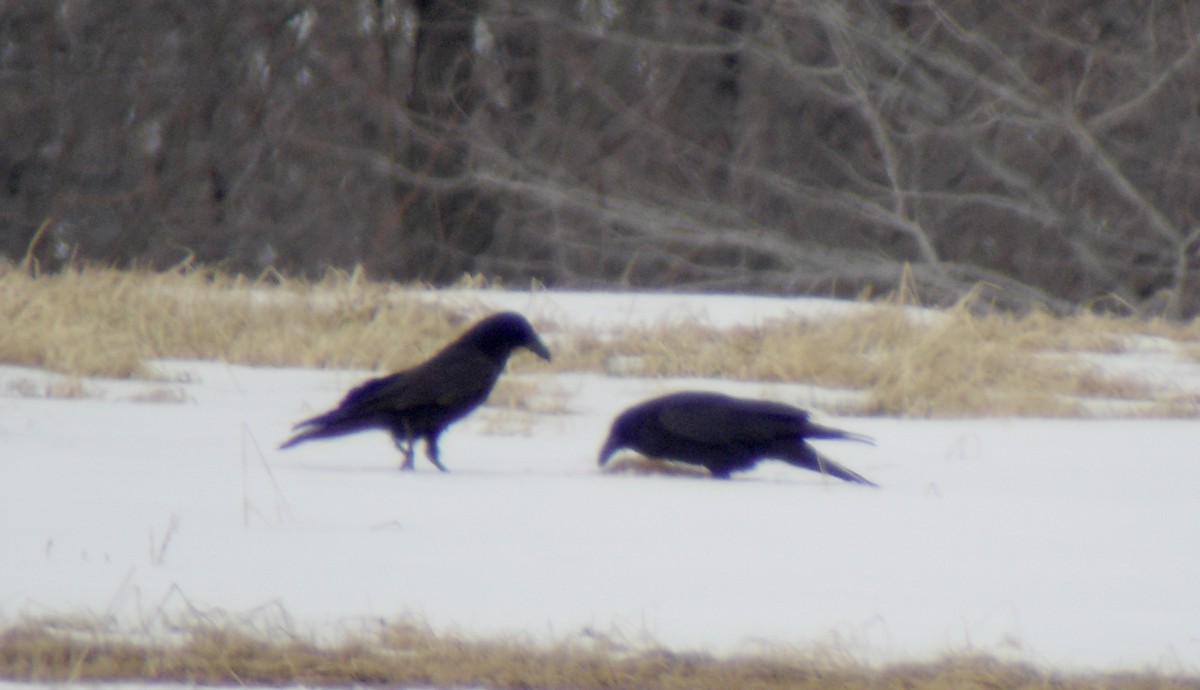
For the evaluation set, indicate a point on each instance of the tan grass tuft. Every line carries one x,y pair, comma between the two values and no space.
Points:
159,395
943,364
643,467
534,394
100,322
404,654
67,387
516,403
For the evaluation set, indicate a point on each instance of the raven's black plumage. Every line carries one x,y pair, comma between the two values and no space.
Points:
725,434
422,401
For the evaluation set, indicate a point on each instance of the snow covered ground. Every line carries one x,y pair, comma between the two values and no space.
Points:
1074,544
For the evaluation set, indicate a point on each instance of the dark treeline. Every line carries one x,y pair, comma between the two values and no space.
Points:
1049,150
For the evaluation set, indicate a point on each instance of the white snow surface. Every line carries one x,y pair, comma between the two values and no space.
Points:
1073,544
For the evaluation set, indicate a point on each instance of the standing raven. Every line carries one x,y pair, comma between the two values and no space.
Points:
724,434
422,401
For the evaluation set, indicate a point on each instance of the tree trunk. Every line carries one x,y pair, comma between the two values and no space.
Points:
447,221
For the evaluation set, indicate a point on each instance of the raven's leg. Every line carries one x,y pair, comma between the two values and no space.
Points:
431,450
402,435
405,445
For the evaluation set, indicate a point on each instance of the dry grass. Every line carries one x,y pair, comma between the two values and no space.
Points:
950,364
536,395
48,651
159,395
645,467
516,403
101,322
68,387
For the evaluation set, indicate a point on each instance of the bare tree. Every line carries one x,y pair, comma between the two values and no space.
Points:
1046,151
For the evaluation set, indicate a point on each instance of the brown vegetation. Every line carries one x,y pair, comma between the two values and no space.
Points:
907,362
402,655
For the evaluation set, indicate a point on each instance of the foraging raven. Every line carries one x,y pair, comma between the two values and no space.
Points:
422,401
725,434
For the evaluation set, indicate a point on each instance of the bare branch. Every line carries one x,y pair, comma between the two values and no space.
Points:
851,68
1100,123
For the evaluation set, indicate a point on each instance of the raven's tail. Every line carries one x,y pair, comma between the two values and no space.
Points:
805,456
828,432
327,425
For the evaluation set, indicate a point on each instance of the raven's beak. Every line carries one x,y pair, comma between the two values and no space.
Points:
611,444
537,347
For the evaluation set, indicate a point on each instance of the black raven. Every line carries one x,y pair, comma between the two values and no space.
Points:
422,401
724,434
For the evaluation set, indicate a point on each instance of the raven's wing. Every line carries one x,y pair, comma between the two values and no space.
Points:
451,377
794,420
713,418
719,419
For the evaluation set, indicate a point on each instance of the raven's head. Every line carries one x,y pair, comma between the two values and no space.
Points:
618,438
500,334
